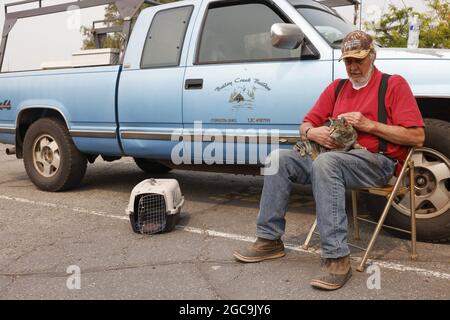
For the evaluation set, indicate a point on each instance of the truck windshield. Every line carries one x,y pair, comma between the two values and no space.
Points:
330,25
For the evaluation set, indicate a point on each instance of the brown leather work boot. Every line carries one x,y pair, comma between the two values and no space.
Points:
261,249
334,274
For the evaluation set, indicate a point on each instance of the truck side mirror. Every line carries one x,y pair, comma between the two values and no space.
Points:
286,36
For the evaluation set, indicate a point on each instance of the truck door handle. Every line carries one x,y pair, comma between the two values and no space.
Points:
193,84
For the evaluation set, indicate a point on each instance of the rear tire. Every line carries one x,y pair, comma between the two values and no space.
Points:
150,166
432,172
51,160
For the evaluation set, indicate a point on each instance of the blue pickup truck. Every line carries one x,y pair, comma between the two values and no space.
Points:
234,68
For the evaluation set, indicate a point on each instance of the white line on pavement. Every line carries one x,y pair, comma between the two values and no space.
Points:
212,233
386,265
62,206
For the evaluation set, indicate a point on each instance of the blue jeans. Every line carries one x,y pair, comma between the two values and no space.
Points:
330,175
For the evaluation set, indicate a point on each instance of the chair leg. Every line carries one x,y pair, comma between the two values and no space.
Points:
413,211
355,215
310,234
376,233
385,212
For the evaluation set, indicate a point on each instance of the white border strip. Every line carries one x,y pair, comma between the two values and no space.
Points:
386,265
212,233
62,206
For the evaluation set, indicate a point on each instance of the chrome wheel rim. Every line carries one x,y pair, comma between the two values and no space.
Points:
432,185
46,156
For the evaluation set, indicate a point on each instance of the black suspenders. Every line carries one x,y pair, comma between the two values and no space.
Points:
382,113
339,88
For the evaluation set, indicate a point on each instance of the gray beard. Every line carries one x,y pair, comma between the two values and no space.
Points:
361,84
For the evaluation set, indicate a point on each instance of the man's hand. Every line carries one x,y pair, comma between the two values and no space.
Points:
358,121
408,136
321,135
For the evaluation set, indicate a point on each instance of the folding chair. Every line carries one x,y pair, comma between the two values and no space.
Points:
390,192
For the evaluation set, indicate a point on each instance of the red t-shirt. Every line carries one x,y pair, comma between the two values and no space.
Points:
401,107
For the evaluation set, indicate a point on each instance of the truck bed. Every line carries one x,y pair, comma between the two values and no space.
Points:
75,93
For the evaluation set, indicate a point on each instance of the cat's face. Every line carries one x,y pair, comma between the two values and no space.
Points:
340,128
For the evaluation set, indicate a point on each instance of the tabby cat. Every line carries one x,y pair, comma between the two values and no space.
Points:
340,130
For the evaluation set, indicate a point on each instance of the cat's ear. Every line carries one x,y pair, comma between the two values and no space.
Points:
344,121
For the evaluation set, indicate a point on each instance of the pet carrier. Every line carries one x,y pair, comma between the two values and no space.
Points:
155,206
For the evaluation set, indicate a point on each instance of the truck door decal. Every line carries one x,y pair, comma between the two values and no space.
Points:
243,91
5,105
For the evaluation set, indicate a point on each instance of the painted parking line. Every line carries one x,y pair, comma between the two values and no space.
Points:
386,265
62,206
212,233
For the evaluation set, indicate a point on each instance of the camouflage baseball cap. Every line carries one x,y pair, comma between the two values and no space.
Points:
357,44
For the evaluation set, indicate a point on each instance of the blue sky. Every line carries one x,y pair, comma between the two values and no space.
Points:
33,40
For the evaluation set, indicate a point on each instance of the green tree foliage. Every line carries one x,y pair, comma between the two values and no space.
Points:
392,28
112,17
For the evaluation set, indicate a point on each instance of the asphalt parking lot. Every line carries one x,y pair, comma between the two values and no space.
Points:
43,234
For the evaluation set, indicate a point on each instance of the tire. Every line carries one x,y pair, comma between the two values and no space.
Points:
150,166
432,171
51,160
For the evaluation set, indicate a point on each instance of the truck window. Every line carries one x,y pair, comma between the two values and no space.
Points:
165,38
330,25
240,32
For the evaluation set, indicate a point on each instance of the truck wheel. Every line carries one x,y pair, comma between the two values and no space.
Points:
432,178
150,166
51,160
